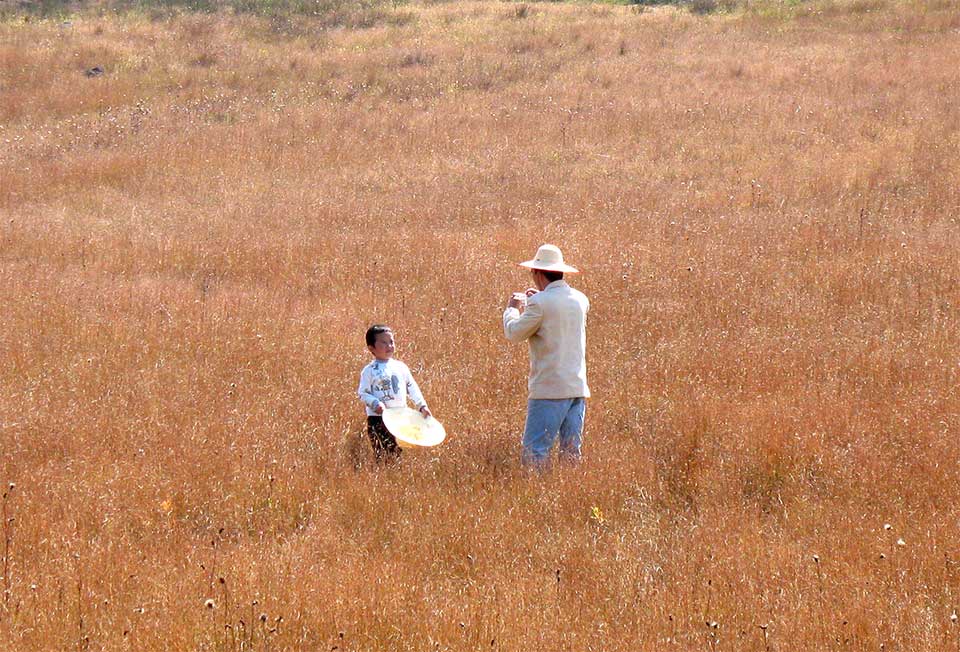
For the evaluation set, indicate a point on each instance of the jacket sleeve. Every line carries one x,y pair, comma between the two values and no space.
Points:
519,327
363,391
413,391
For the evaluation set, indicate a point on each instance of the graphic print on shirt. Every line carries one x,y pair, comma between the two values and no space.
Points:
387,387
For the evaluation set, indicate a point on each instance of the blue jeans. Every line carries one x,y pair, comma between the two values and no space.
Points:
546,418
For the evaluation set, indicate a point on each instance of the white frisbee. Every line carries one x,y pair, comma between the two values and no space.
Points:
411,429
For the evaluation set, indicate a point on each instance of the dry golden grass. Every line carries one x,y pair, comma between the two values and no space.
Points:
767,209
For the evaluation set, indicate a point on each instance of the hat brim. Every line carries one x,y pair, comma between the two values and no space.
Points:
549,267
411,429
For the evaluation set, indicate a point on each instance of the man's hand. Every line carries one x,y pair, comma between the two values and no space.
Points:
517,299
379,408
425,411
531,291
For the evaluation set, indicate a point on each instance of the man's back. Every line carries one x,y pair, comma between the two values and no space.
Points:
554,324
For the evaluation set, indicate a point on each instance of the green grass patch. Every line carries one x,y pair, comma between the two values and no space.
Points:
332,13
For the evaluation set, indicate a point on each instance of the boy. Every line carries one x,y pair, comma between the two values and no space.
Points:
385,383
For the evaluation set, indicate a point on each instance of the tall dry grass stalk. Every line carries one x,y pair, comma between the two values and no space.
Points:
766,208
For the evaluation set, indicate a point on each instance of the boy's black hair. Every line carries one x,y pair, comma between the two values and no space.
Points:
552,276
375,330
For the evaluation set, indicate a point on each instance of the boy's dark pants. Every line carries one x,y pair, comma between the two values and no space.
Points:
384,444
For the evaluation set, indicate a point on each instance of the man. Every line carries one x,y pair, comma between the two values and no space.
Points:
553,322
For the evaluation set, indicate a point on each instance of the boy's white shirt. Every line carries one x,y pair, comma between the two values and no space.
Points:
388,382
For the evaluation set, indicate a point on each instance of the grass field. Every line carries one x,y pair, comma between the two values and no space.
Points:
766,206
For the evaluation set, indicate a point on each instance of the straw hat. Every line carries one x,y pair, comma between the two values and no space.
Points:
412,429
549,259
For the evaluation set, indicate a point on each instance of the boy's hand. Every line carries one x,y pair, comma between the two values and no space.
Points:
379,408
425,411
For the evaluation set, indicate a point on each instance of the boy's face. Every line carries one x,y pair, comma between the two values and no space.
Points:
383,346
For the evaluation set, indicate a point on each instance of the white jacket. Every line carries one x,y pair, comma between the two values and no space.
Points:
554,325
